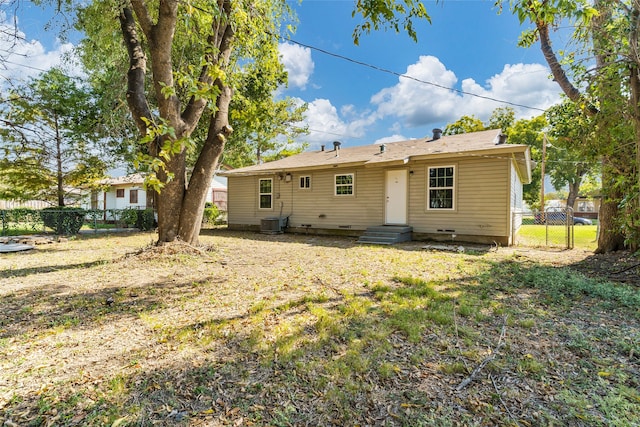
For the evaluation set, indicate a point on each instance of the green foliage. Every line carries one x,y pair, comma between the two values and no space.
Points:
211,213
530,132
145,219
396,15
465,124
63,221
48,140
20,220
564,286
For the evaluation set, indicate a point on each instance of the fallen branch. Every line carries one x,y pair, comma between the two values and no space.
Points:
495,386
486,360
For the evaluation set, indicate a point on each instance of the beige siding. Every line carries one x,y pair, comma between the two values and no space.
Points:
482,199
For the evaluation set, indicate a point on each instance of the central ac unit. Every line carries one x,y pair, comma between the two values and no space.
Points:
272,225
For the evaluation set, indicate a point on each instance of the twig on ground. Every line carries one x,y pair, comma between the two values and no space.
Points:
626,269
495,386
455,324
487,359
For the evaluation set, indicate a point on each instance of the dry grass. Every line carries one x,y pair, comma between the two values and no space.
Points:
300,330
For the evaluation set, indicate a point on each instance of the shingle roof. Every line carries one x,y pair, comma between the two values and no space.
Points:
136,178
477,143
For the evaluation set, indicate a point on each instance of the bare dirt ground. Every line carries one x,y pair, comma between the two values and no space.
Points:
252,329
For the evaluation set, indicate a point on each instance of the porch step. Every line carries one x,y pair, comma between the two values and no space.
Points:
386,235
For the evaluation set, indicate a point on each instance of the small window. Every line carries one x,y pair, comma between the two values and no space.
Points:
120,192
133,196
344,185
265,193
441,187
305,182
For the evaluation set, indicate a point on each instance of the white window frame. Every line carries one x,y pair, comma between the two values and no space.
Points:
260,193
444,187
352,185
304,182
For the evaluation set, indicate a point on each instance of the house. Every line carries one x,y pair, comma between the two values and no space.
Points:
129,192
121,193
464,187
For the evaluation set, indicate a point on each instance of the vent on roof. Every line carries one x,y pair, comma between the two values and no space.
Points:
502,139
437,134
336,145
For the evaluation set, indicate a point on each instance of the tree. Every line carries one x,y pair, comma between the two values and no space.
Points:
502,118
48,137
530,132
600,26
184,61
464,124
573,151
265,128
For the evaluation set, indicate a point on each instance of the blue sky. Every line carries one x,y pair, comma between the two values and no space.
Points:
468,47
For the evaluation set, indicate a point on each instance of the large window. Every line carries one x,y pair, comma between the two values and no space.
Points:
133,196
344,185
265,193
441,187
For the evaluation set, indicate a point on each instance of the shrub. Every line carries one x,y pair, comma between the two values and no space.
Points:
211,214
63,220
146,220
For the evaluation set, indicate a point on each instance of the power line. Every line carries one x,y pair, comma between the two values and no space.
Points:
406,76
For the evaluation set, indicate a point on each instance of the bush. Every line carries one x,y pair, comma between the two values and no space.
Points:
63,220
211,214
146,220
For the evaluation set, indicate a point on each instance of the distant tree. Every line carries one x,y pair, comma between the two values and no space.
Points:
265,127
573,152
465,124
530,132
502,118
48,140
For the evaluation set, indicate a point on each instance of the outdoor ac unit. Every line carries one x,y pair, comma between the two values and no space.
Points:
272,225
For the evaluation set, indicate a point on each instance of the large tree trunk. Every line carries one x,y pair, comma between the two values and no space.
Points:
180,207
574,188
203,171
609,237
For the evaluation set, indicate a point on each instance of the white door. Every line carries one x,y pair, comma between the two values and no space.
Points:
396,197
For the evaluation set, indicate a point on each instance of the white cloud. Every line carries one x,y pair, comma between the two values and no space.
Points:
417,103
389,139
298,63
21,58
326,124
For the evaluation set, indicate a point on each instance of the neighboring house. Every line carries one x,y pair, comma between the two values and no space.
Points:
464,187
121,193
217,193
128,192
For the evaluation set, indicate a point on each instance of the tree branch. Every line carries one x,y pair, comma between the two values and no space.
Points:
136,74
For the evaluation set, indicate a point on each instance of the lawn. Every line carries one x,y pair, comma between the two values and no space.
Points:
584,236
278,330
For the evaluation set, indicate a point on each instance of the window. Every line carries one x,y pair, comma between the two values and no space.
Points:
120,192
265,193
133,196
440,191
305,182
344,185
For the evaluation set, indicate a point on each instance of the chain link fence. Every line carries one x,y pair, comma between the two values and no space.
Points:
29,221
552,228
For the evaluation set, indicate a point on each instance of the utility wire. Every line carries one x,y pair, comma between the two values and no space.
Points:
406,76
